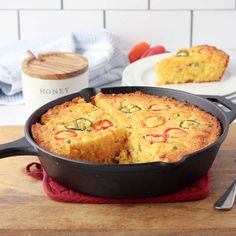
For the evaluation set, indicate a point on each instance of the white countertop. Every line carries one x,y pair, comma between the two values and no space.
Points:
13,115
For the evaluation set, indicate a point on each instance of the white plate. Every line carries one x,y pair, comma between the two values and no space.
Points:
142,73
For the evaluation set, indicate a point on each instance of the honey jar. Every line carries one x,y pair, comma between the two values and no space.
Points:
52,75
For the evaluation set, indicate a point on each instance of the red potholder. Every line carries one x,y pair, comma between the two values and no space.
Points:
198,190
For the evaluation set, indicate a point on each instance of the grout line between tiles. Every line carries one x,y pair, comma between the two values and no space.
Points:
104,19
62,4
191,28
67,9
18,25
149,4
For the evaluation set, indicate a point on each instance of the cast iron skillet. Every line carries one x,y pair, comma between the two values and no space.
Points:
126,180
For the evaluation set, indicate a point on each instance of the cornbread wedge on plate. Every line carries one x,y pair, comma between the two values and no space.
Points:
201,63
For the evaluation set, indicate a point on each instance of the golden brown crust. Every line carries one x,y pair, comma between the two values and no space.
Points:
63,109
212,50
145,128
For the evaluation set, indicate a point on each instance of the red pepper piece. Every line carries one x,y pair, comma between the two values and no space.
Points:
160,121
102,124
156,107
71,132
137,51
154,51
166,132
156,138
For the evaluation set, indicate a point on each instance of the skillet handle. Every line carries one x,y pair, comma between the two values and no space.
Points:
231,115
18,147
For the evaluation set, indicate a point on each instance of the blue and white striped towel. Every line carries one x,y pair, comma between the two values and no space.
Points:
103,50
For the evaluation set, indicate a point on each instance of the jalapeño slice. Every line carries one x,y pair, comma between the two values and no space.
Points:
131,108
82,124
187,124
182,53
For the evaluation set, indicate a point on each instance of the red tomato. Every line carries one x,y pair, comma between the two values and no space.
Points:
137,51
154,51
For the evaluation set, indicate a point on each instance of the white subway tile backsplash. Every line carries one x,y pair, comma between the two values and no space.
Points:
174,23
8,26
43,23
170,28
192,4
105,4
215,28
30,4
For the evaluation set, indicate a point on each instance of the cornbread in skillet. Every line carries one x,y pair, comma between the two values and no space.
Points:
201,63
79,130
126,128
159,128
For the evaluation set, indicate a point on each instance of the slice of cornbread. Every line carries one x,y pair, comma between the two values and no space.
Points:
169,135
160,128
201,63
79,130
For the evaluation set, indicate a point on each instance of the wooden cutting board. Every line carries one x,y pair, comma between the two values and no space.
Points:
26,210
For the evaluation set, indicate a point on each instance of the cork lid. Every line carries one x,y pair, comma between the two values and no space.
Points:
54,65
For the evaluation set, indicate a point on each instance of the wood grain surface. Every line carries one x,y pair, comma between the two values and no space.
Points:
26,210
